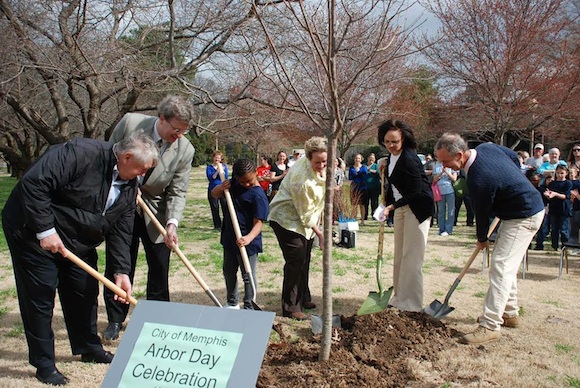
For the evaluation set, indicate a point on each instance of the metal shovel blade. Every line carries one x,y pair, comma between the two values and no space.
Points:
375,302
316,323
438,310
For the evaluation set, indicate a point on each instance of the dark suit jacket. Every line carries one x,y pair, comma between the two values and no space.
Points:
67,188
410,179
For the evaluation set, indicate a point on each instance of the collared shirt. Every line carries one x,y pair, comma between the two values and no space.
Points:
470,160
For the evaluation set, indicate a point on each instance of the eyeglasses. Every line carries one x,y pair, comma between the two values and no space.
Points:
576,149
177,130
394,142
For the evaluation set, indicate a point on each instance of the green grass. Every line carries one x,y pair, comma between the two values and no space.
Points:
552,302
563,349
336,290
480,294
16,331
573,381
3,311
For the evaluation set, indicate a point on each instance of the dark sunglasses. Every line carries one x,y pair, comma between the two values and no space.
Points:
576,149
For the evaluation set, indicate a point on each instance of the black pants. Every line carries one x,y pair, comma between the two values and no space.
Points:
296,250
157,256
38,275
214,204
373,201
468,208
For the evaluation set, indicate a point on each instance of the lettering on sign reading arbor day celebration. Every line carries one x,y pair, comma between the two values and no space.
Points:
178,356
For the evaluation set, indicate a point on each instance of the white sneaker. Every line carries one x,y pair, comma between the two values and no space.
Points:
235,307
444,234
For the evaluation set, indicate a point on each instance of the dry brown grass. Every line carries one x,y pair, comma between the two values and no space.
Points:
543,352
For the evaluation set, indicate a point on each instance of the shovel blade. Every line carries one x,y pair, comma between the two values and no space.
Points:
316,323
375,302
444,311
438,310
433,308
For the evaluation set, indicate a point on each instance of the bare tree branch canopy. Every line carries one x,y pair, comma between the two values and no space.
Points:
513,62
72,68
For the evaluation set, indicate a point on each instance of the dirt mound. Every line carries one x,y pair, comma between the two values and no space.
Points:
368,351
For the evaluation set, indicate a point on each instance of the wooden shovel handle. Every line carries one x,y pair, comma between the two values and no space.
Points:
176,249
476,251
94,273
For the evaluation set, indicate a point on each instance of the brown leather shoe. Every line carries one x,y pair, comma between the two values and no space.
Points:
511,322
309,305
481,335
298,315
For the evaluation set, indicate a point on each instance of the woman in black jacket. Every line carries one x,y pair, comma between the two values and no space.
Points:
410,193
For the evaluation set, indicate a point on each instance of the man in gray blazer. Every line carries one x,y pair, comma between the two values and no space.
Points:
163,190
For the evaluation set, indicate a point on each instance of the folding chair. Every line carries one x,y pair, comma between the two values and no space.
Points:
572,243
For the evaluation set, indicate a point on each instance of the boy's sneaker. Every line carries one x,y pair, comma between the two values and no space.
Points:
444,234
481,335
233,307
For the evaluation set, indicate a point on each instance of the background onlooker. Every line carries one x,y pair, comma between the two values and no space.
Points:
554,161
573,159
444,177
373,182
560,209
357,175
278,171
213,176
537,159
263,174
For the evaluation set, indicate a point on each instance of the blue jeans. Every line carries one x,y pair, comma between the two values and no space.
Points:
233,262
446,215
543,232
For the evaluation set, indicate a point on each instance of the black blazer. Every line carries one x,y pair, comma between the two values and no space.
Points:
410,179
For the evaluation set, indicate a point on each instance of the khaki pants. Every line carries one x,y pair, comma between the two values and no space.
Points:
513,239
410,243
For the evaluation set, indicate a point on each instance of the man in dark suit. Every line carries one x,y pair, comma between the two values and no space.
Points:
163,190
77,195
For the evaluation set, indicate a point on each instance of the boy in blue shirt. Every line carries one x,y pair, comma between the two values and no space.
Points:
252,208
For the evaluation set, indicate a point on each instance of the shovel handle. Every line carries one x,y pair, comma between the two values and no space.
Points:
178,251
94,273
238,232
476,251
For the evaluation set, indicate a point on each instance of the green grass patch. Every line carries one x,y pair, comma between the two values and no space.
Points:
336,290
339,271
573,381
479,294
563,348
16,331
3,311
552,302
8,293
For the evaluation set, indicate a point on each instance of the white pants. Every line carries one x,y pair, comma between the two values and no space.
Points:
512,241
410,243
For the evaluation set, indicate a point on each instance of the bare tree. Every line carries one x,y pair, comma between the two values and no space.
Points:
74,68
513,63
334,69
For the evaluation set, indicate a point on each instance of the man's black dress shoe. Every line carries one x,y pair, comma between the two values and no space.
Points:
51,376
101,357
112,331
309,305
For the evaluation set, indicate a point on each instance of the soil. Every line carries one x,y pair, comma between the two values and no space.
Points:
367,351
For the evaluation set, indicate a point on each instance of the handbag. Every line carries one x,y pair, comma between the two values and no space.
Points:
460,187
436,192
